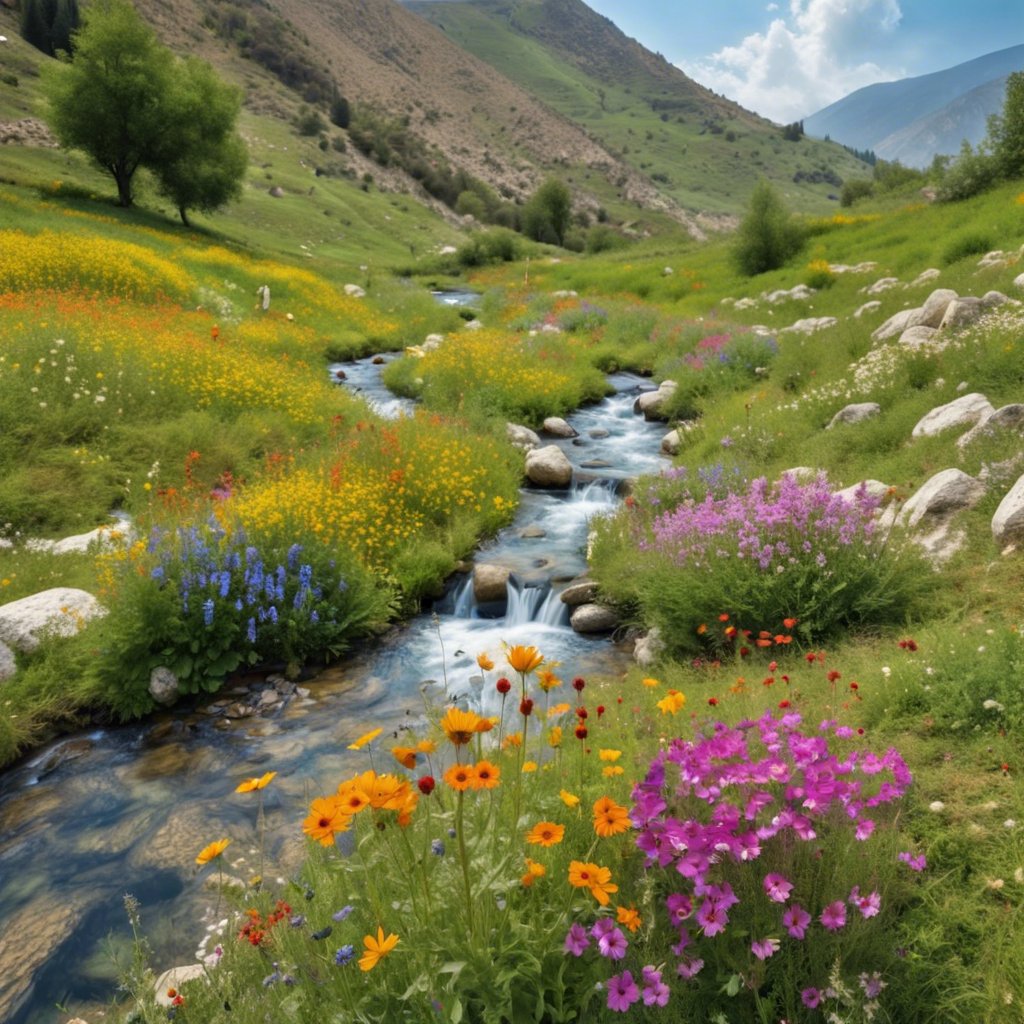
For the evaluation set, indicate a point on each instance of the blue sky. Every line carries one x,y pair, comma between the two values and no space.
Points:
789,58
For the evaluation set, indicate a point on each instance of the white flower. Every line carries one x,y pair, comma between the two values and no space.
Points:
992,705
1011,823
886,671
936,806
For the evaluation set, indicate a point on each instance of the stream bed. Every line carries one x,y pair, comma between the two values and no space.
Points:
125,810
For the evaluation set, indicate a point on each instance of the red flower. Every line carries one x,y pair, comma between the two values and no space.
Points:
724,617
744,651
730,631
581,713
810,657
581,732
503,686
768,680
713,701
833,676
525,707
854,686
426,784
600,710
578,683
783,704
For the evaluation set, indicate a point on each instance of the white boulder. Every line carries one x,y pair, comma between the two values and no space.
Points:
855,413
61,611
354,291
868,307
1009,417
594,618
940,496
961,412
548,467
1008,521
896,324
558,427
521,437
163,685
961,312
490,582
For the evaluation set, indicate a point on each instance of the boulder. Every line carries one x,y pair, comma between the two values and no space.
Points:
961,412
995,258
473,325
490,582
175,978
961,312
62,610
557,427
277,192
797,293
924,277
532,532
935,306
1018,282
579,592
432,341
564,293
354,291
810,325
647,650
103,538
671,443
943,494
883,284
896,324
593,618
912,337
1008,521
548,467
872,488
1009,417
597,433
163,685
801,474
747,303
868,307
855,413
521,437
650,403
994,299
7,664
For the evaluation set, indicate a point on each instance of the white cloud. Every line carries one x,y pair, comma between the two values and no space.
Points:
814,55
772,7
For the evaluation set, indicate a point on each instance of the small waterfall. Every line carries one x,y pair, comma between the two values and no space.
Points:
596,492
553,610
464,600
523,602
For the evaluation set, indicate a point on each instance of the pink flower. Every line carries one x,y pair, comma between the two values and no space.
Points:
613,944
622,992
688,969
576,941
810,997
868,905
764,948
917,863
712,918
656,992
864,828
777,887
679,906
833,917
796,920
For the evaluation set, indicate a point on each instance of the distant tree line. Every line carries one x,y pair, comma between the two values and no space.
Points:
48,24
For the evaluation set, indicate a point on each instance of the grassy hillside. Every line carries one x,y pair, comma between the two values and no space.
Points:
703,150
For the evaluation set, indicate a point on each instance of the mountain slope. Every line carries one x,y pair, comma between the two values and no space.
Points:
877,113
702,149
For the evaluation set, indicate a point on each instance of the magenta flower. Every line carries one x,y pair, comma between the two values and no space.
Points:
576,941
868,905
917,863
777,887
613,944
712,918
864,829
688,969
622,992
833,917
796,920
871,984
655,992
764,948
680,907
810,997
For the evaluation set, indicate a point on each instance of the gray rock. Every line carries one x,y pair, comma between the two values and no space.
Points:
1008,521
799,292
912,337
548,467
994,299
7,664
883,284
1018,282
963,411
175,978
924,277
945,493
597,433
557,427
521,437
873,488
432,341
855,413
163,685
103,538
579,592
1009,417
896,324
277,192
532,532
671,443
647,650
473,325
868,307
995,258
802,474
354,291
490,582
593,618
594,464
810,325
62,611
961,312
935,306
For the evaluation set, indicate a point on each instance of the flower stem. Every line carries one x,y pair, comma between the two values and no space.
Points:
465,862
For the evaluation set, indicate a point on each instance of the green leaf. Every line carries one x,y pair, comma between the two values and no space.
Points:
732,986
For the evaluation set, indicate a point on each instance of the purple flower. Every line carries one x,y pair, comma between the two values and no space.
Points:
622,992
810,997
796,919
712,918
340,915
656,992
601,927
613,944
680,907
250,631
864,829
868,905
917,863
871,984
764,948
688,969
833,917
576,940
344,955
777,887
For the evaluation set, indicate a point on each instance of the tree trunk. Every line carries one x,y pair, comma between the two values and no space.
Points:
184,216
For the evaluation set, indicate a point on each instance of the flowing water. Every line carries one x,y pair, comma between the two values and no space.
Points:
125,810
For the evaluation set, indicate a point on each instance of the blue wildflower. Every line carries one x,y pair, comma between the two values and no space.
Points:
293,555
208,612
157,572
272,614
437,847
313,616
297,921
344,955
225,583
250,632
340,915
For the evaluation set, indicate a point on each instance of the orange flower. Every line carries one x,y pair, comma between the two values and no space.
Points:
558,709
609,818
533,872
484,662
569,799
460,726
555,736
612,769
326,816
513,739
485,775
460,777
388,793
248,785
405,756
651,682
524,659
790,623
547,681
629,917
376,949
585,875
671,703
354,794
367,737
545,833
426,746
609,755
212,852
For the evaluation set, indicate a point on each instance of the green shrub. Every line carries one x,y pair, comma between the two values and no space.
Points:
968,244
768,236
854,189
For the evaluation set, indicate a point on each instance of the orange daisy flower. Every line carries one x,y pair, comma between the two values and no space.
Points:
533,872
212,852
545,833
376,949
460,726
326,817
629,917
405,756
460,777
585,875
485,775
248,785
524,659
609,818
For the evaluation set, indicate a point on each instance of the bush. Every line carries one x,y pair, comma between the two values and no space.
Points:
768,235
974,171
762,554
968,244
854,189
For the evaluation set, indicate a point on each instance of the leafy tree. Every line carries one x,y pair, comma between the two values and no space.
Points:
547,213
768,235
1006,130
48,24
341,112
208,166
126,101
